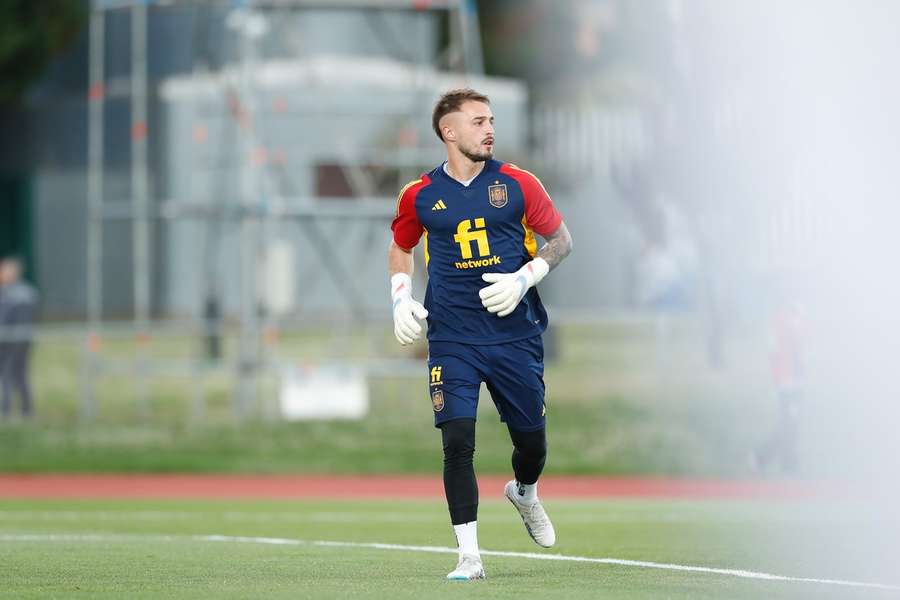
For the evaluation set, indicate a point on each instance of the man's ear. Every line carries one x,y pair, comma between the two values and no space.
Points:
449,134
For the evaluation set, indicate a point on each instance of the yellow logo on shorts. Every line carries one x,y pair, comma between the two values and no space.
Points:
436,375
437,400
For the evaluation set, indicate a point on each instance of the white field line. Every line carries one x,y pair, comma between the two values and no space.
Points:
41,537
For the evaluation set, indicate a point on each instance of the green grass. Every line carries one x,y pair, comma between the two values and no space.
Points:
615,406
786,539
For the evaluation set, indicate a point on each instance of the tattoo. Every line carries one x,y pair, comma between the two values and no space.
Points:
558,246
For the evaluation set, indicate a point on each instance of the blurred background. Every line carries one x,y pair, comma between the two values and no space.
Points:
199,195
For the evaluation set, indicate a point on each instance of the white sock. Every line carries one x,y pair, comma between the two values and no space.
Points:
467,538
526,493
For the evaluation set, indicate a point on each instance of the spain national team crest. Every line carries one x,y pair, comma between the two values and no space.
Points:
497,195
437,400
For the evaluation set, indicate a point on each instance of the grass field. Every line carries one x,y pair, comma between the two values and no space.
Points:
163,549
616,406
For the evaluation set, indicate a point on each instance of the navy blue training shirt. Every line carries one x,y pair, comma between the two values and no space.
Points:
485,227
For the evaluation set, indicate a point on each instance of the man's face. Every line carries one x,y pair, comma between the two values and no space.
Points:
472,129
9,272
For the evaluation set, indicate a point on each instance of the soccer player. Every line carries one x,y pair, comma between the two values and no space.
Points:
478,217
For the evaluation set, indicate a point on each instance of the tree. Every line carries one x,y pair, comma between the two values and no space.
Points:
32,32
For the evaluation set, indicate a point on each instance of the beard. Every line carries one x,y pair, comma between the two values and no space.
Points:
476,156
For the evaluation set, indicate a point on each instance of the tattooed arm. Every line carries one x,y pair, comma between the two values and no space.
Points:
558,246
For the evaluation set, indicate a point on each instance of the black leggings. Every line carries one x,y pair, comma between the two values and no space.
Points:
14,376
529,454
460,487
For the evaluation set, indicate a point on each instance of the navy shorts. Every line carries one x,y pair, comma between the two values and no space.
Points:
513,372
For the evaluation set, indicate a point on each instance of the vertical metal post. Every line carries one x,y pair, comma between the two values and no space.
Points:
249,342
140,197
96,94
198,396
473,61
208,311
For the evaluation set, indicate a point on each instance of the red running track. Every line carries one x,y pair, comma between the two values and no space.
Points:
381,486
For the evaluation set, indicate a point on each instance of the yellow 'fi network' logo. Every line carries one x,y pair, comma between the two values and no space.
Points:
466,234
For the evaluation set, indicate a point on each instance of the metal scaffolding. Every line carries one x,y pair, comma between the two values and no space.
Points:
255,213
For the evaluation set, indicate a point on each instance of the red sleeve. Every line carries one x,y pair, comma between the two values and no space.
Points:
406,226
540,214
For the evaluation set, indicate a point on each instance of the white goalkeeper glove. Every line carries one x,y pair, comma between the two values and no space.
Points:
406,310
508,289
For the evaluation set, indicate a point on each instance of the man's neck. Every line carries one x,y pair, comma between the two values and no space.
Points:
462,168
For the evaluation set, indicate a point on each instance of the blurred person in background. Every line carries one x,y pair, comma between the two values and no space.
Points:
485,318
779,449
18,302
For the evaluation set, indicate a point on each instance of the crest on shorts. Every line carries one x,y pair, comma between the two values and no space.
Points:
497,195
437,400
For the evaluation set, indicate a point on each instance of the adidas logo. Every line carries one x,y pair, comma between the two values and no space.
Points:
439,205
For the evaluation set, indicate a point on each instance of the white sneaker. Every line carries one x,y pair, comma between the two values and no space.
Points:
536,520
468,567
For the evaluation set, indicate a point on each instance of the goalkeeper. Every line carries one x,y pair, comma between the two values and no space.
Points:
478,217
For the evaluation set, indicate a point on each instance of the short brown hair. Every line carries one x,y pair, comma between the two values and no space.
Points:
451,102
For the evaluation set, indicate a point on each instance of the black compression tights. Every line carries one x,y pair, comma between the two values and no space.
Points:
529,454
459,473
460,487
